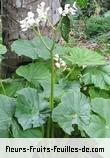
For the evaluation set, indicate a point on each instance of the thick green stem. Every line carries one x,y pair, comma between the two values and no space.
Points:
50,126
52,82
52,86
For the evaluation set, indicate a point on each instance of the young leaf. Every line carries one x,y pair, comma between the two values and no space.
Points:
99,76
31,109
83,56
65,28
73,109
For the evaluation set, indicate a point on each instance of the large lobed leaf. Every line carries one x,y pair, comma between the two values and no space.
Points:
31,109
34,72
99,76
11,86
18,132
9,126
83,56
60,88
73,109
99,126
32,48
7,109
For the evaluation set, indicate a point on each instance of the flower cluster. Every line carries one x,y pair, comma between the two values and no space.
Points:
68,10
31,20
59,62
42,12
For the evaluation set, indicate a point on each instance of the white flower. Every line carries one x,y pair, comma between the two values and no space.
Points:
31,15
28,22
56,57
64,13
59,62
62,63
37,21
42,12
31,21
72,11
57,65
67,7
60,10
74,6
68,10
42,4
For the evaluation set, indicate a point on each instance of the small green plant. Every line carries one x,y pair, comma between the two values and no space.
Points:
97,25
53,95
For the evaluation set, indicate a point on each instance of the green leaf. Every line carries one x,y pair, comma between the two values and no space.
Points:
73,109
83,56
4,133
99,76
75,73
11,86
107,14
31,109
7,109
98,93
82,3
60,88
3,49
97,128
61,50
32,48
35,72
101,106
100,123
30,133
65,28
